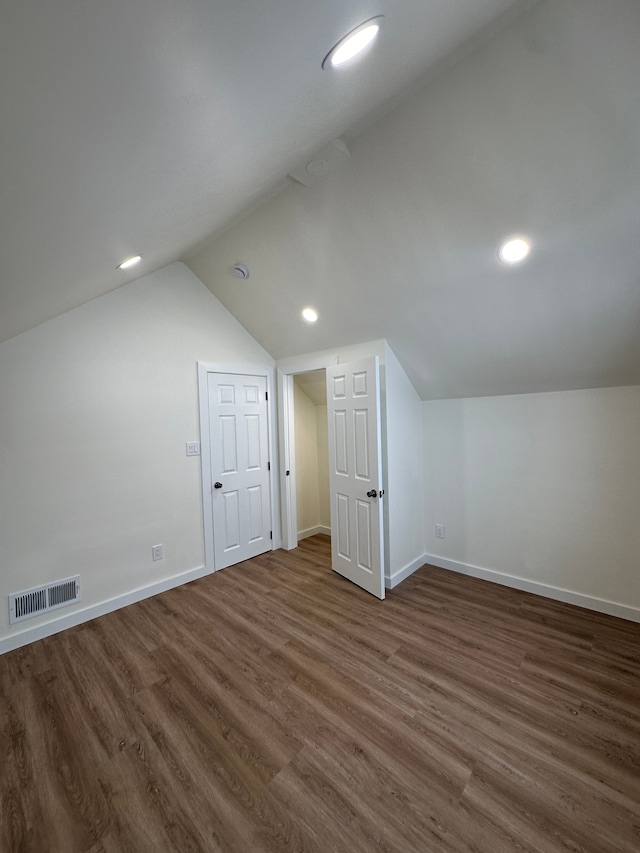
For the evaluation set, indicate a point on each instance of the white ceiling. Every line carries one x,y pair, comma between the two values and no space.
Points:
537,131
146,125
168,127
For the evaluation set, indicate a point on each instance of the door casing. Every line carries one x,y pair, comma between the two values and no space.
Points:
287,443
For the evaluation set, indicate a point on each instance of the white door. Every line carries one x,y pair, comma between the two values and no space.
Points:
355,473
239,442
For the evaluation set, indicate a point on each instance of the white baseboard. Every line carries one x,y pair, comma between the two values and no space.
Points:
312,531
403,574
85,614
601,605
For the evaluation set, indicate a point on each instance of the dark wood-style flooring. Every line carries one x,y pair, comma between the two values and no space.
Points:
276,707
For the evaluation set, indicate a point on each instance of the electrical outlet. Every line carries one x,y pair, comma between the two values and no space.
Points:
439,531
193,448
157,552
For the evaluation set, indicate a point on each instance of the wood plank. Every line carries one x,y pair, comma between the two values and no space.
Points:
276,707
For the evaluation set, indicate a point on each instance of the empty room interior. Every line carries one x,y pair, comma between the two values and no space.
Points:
320,426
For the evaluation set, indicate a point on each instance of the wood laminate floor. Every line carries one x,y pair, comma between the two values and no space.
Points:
276,707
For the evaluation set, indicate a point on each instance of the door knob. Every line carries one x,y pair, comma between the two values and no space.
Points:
372,494
217,485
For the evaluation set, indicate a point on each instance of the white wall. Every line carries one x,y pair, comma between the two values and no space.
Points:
405,483
544,488
97,405
315,360
322,431
307,494
312,465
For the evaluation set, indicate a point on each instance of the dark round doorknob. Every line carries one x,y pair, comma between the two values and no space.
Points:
217,485
372,494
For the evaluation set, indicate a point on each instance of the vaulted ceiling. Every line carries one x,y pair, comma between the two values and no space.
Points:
535,131
168,127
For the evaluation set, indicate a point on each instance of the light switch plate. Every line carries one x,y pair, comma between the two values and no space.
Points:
193,448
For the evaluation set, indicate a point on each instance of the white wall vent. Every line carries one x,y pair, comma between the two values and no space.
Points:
40,599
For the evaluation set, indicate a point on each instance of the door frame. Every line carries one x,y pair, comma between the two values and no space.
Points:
287,441
204,368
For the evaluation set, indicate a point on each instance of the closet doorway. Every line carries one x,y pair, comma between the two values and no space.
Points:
311,454
353,420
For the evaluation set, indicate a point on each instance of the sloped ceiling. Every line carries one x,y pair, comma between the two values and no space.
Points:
536,131
314,385
146,125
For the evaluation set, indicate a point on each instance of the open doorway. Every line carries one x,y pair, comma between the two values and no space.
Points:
355,469
311,456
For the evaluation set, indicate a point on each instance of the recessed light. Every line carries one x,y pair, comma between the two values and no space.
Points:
514,250
310,315
130,262
353,43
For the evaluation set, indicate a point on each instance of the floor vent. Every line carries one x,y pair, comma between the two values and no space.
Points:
40,599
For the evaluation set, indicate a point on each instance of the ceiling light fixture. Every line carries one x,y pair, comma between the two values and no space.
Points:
514,250
353,43
130,262
310,315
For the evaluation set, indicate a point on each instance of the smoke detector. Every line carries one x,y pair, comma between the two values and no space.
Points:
241,271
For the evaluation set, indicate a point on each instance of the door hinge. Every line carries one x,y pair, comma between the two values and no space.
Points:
266,395
286,473
271,535
268,466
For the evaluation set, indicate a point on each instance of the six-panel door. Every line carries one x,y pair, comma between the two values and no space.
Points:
239,467
353,406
